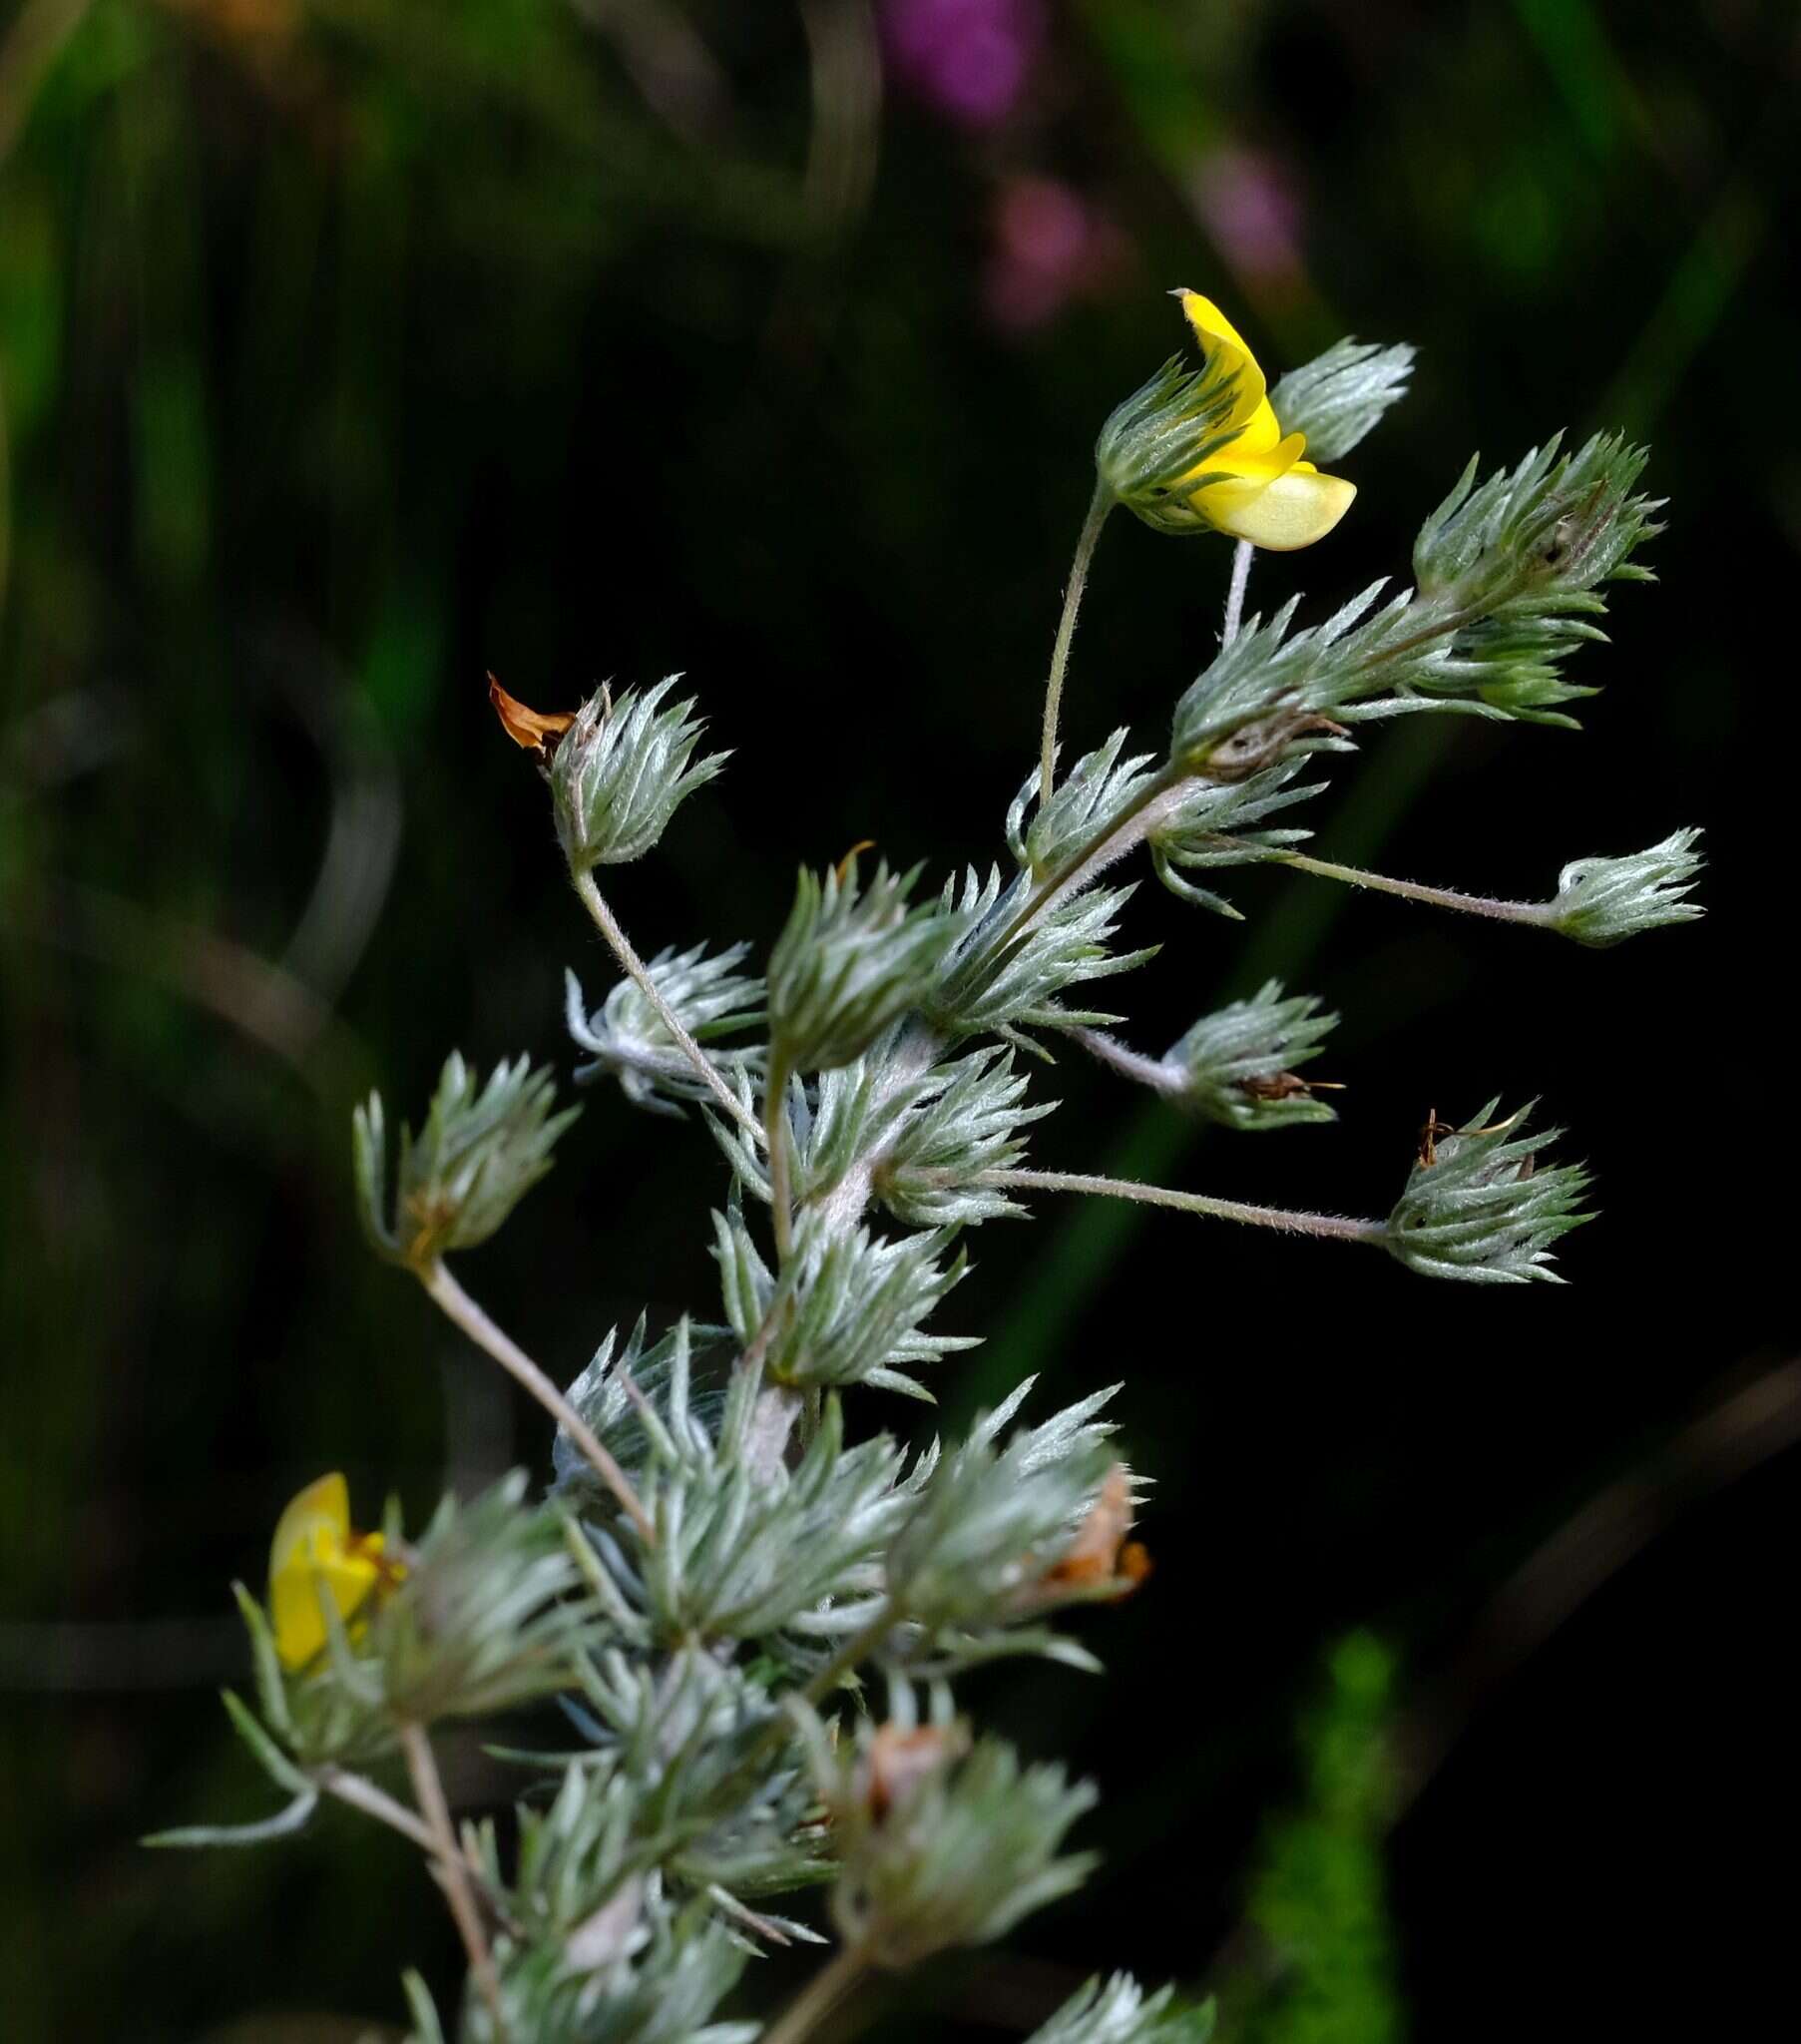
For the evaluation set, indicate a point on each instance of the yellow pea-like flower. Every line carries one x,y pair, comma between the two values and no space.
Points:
1259,488
317,1557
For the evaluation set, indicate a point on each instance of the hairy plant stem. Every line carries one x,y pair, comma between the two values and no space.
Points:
1328,1227
635,969
816,2000
1120,834
1099,506
422,1768
456,1303
1242,555
1155,1073
1536,914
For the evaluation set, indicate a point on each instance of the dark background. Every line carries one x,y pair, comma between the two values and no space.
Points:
351,347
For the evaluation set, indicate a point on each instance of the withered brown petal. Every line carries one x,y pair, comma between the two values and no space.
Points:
1093,1555
898,1762
532,728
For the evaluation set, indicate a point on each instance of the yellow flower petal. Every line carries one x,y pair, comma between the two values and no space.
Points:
1249,463
1262,435
312,1558
322,1507
1218,337
1291,511
1261,489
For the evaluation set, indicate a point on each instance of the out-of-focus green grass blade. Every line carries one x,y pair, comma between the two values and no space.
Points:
1569,38
1695,301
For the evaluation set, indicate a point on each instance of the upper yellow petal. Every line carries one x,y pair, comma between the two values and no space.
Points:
1262,435
314,1558
297,1602
1223,345
322,1507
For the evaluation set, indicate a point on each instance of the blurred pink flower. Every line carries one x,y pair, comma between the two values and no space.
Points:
967,58
1250,207
1050,245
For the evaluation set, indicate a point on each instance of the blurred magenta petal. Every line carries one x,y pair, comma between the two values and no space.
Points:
967,58
1251,209
1050,245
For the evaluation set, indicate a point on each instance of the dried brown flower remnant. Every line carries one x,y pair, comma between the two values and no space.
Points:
1274,1086
1100,1554
533,729
898,1760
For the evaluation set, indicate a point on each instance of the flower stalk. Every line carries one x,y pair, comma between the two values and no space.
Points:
1100,505
1283,1220
457,1305
634,968
428,1789
1242,556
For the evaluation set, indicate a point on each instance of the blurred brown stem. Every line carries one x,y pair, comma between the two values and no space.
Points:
262,1000
415,1744
816,2000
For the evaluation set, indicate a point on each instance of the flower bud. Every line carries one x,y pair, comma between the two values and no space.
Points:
620,772
1118,2012
1603,901
939,1851
1339,397
1153,445
993,1524
628,1039
851,961
1235,1066
855,1304
1476,1206
479,1152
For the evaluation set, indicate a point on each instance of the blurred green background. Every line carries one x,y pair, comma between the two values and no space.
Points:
349,348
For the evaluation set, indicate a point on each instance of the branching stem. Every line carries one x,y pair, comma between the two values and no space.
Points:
635,969
460,1308
422,1768
362,1794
